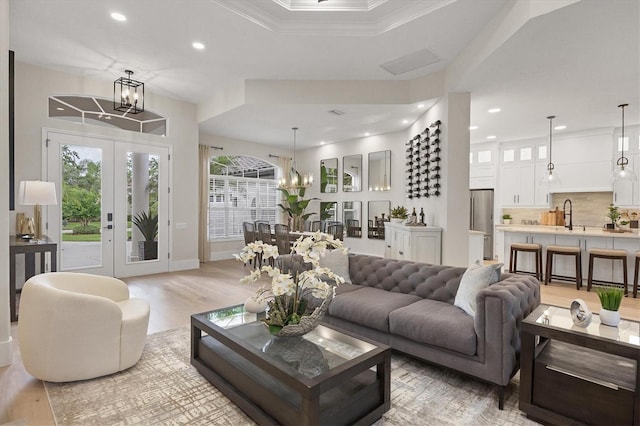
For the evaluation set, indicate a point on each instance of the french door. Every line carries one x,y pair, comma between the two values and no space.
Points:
112,212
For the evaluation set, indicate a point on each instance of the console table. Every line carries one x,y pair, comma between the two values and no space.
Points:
572,374
29,249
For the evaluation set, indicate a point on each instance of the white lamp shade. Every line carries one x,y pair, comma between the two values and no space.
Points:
34,192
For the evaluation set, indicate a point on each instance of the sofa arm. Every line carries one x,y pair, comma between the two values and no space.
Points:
501,307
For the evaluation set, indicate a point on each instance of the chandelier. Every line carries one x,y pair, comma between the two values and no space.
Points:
128,94
294,179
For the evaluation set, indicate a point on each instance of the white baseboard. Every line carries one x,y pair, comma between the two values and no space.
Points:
184,265
222,255
6,352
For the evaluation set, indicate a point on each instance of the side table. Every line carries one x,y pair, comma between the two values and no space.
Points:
29,249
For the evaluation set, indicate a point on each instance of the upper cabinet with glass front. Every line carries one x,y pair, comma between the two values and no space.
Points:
380,171
329,175
352,173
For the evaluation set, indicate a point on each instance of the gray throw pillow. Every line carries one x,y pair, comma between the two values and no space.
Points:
475,278
338,262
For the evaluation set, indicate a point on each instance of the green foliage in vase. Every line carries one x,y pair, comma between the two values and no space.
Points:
147,224
399,212
294,205
613,213
610,298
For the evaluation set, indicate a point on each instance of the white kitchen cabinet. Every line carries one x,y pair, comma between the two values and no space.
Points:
517,185
542,197
416,243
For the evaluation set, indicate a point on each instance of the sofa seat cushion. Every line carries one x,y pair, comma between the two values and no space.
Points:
346,288
369,306
437,324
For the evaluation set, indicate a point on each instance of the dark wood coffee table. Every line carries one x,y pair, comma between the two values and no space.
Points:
570,374
324,377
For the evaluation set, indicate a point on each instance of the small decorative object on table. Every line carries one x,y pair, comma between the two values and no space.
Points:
580,313
289,296
610,299
506,219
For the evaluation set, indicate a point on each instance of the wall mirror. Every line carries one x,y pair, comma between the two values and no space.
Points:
329,175
328,211
352,173
380,171
352,218
377,215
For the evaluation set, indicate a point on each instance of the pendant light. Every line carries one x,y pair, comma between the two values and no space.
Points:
295,180
550,178
622,172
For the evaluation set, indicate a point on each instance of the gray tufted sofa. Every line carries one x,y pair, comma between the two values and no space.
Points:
409,306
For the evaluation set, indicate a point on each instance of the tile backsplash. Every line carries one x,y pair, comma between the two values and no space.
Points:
589,208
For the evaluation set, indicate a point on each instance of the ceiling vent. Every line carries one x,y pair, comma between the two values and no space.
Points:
411,62
336,112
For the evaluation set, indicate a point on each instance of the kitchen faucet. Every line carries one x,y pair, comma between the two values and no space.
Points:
564,209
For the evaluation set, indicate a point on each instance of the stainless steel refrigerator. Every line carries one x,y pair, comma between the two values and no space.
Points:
482,217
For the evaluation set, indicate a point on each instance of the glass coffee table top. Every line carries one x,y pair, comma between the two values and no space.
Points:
627,331
310,355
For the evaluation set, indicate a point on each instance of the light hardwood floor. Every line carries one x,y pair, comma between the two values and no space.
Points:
174,297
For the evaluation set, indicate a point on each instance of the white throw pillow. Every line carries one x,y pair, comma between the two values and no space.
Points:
475,278
338,262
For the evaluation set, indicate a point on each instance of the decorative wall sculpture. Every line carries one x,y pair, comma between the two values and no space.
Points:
423,163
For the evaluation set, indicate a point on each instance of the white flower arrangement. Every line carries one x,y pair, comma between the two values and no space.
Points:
288,294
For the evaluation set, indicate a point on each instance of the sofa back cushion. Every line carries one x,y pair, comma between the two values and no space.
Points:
434,282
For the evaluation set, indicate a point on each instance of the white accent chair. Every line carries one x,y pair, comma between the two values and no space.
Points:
75,326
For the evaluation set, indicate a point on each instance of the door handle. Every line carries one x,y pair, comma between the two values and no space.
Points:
108,227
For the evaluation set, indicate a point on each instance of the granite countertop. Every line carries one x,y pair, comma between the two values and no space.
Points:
561,230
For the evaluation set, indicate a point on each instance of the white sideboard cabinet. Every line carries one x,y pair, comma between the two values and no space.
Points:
416,243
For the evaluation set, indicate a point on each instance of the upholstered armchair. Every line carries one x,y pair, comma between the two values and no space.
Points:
75,326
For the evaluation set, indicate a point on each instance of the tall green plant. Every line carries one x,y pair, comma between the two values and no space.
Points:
294,205
610,298
147,224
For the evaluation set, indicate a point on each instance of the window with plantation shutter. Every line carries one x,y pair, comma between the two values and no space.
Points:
240,189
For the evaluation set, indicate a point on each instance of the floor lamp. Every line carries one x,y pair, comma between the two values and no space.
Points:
37,193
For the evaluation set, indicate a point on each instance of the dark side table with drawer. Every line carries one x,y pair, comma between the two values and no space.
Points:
571,374
29,248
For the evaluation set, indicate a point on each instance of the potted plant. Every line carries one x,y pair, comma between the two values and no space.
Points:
613,214
610,299
294,205
147,224
398,214
506,219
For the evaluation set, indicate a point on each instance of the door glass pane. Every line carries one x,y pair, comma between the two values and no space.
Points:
484,156
542,152
525,154
142,206
81,207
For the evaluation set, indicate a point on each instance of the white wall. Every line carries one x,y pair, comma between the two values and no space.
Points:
450,211
35,84
6,352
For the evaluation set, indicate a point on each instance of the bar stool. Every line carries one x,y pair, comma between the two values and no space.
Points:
564,251
637,272
526,247
597,253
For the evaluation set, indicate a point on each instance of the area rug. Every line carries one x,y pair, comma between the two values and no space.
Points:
164,389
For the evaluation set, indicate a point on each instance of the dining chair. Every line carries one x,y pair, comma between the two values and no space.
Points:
353,228
283,241
249,232
264,232
336,230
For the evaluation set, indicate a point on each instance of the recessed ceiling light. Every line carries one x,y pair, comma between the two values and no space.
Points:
322,142
60,109
473,127
420,106
367,134
560,127
405,121
493,110
197,45
118,17
491,137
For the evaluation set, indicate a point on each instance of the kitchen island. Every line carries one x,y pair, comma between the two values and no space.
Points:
584,237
